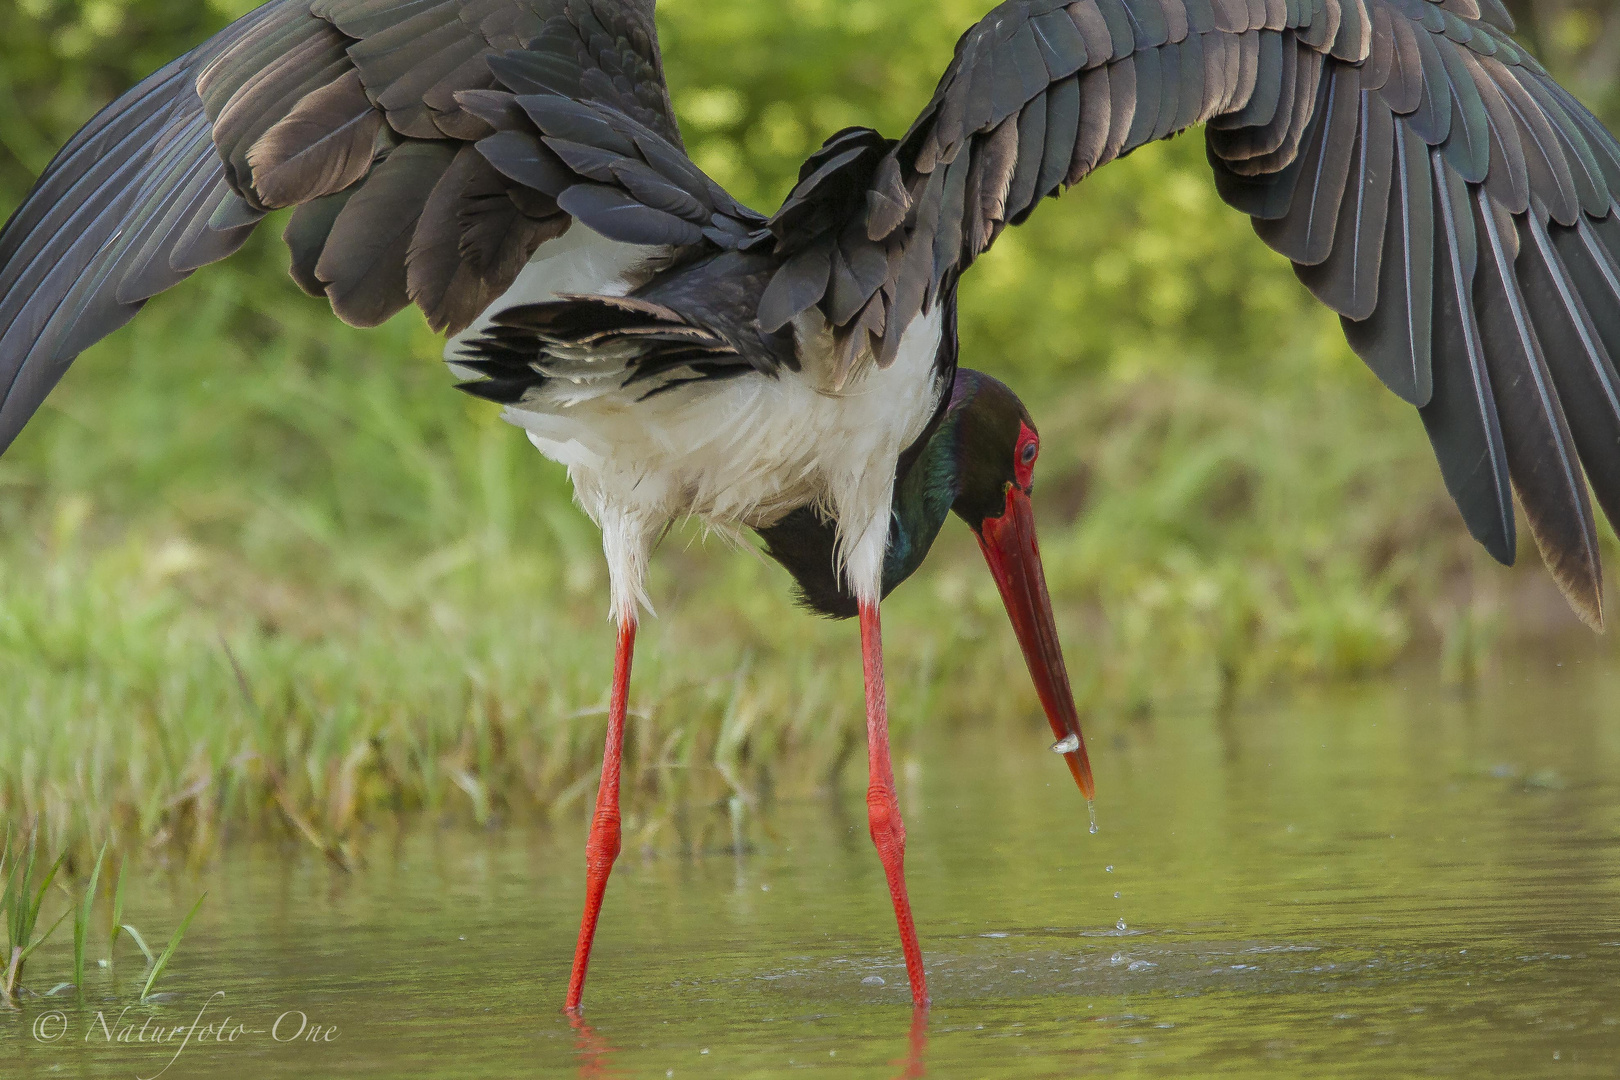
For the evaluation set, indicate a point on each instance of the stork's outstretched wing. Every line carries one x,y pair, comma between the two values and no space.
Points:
378,120
1428,179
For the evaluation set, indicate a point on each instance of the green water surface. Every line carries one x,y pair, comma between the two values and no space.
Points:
1381,881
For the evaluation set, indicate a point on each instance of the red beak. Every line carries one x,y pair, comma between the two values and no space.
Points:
1014,556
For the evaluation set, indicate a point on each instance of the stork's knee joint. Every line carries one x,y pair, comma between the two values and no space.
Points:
883,816
603,847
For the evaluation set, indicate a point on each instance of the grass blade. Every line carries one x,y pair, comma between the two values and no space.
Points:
23,903
28,901
174,943
8,904
43,938
117,922
136,935
81,921
13,888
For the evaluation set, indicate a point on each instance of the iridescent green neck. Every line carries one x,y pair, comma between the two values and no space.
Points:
964,466
922,502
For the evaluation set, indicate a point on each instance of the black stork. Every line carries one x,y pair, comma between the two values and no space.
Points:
513,167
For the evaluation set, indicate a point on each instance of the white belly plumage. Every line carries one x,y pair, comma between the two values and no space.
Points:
733,453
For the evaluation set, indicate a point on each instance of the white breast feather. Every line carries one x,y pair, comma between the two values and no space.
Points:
742,452
734,453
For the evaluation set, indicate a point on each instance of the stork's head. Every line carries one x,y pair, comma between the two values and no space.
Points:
995,447
978,462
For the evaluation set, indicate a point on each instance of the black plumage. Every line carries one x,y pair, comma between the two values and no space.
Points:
363,264
306,234
798,286
618,215
322,146
1582,366
1541,454
1461,416
1397,339
1306,234
1347,279
66,249
636,343
472,241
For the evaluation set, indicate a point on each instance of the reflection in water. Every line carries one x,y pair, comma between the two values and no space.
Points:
1364,882
594,1052
916,1063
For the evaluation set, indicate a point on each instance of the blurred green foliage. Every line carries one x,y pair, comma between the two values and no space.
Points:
1579,40
255,565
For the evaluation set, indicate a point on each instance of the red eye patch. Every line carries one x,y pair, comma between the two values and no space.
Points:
1029,448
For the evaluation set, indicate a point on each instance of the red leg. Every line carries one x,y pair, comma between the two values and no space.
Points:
603,846
883,812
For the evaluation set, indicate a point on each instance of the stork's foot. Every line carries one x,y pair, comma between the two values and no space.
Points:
602,849
882,809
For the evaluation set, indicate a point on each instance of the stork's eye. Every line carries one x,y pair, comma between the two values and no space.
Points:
1028,456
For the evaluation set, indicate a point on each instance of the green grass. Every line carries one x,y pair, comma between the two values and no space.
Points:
23,889
25,883
115,915
160,963
81,919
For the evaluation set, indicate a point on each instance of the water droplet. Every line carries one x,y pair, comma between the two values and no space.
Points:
1108,869
1120,925
1141,965
1066,746
1116,896
872,980
1091,811
1117,959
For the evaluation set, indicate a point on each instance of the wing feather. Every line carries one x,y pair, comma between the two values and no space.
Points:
362,115
1427,179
